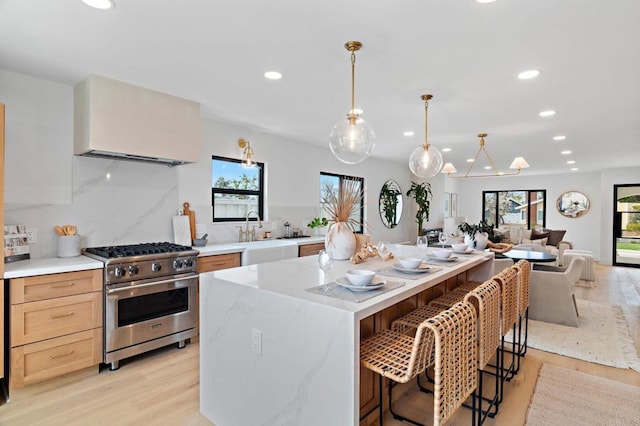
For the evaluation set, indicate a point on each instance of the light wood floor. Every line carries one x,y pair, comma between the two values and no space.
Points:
161,387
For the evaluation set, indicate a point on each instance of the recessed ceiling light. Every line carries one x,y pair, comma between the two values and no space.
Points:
408,133
547,113
567,152
470,160
559,138
571,162
485,1
273,75
526,75
487,167
574,169
446,150
100,4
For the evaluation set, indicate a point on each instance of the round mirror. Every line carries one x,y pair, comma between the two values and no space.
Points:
573,204
390,204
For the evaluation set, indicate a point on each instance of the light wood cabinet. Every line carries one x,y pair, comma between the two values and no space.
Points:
56,325
217,262
310,249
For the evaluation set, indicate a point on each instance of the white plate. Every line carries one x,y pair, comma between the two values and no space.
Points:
439,259
417,270
377,283
467,251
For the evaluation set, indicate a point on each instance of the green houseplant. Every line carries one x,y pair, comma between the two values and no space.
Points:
421,193
317,223
389,203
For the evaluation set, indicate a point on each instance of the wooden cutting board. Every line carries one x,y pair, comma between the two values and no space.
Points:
192,220
181,230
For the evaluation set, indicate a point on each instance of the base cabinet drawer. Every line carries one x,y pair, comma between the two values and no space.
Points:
49,286
217,262
31,322
310,249
50,358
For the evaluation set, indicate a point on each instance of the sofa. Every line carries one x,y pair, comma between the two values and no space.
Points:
549,240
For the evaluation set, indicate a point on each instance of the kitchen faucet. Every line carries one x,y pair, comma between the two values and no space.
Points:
246,230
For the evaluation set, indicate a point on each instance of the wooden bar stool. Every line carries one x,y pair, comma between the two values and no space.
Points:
448,341
486,300
524,284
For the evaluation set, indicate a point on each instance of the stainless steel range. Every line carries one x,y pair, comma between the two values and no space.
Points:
150,297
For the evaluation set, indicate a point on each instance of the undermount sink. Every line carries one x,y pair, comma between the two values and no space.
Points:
267,251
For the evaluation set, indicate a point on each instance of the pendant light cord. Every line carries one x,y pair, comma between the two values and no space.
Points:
353,83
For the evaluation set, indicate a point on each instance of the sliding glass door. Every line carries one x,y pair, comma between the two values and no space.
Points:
626,225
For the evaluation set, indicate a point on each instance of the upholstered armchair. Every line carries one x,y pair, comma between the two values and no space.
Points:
551,297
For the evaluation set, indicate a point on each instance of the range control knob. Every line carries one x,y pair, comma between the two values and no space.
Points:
177,264
133,270
119,272
155,267
188,263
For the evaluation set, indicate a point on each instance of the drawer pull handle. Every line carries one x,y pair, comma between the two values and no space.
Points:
62,285
60,316
60,356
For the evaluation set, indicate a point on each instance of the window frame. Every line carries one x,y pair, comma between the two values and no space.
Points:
342,177
259,193
528,193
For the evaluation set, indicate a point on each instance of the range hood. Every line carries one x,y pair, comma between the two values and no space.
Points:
117,120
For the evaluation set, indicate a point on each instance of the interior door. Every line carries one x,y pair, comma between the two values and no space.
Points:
626,225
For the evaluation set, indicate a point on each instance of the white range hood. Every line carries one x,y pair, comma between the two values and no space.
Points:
121,121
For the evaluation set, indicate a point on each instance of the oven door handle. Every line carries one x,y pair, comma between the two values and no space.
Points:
155,283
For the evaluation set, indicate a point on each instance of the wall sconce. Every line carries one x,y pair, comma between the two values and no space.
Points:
247,153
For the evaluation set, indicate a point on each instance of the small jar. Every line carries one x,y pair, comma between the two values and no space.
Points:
286,229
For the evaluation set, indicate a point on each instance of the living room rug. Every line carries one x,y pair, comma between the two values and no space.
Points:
602,337
568,397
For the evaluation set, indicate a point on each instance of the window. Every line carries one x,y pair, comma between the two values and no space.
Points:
515,209
236,189
333,181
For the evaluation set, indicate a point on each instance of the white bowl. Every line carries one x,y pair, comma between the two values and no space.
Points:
410,262
459,247
441,253
360,277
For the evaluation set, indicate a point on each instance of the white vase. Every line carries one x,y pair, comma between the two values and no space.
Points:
340,242
482,240
469,241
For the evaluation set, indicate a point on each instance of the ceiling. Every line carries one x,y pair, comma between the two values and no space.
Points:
466,54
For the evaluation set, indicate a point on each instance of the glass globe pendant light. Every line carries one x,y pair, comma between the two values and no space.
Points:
352,138
426,160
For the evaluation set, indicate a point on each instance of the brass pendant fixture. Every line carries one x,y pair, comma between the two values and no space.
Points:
352,139
426,160
518,164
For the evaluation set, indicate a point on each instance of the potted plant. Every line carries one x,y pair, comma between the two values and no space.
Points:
389,203
317,223
486,231
421,193
342,207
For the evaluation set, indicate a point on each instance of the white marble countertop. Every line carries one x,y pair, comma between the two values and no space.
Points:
292,277
49,265
224,248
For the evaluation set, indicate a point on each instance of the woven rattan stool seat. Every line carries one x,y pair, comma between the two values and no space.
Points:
448,341
468,286
413,319
449,299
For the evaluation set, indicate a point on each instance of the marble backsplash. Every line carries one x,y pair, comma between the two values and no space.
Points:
120,202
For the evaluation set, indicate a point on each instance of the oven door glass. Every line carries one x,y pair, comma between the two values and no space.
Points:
155,305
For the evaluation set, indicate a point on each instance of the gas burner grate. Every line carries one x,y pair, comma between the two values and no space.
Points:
110,252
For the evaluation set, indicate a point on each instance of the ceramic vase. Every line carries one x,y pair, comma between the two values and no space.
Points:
469,241
482,240
340,242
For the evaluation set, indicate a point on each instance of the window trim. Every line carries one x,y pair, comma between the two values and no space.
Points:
259,193
529,192
362,202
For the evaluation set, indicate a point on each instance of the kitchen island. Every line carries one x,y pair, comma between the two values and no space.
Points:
273,353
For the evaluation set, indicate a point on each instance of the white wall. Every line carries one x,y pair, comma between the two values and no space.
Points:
117,202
